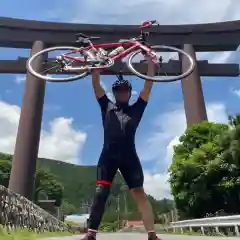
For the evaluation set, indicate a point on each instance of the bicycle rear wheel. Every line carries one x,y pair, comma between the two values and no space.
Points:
53,66
165,78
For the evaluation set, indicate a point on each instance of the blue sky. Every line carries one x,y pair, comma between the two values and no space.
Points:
72,128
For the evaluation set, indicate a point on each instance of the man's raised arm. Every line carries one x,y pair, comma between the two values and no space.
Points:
98,89
145,93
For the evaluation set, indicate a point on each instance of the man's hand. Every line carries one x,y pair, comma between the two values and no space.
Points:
98,89
145,93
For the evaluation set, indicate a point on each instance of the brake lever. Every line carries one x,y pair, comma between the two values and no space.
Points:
151,23
155,22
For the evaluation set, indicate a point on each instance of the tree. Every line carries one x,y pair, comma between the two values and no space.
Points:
5,169
4,156
195,173
46,182
68,208
230,169
234,120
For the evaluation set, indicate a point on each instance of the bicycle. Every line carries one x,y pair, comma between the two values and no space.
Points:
98,56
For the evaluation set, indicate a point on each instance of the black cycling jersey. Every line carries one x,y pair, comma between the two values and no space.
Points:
120,122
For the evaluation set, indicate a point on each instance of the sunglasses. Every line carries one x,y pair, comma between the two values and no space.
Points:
122,89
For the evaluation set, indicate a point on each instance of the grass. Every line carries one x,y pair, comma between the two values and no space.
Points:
28,235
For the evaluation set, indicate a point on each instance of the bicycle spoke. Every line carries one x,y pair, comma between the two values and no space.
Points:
49,69
160,74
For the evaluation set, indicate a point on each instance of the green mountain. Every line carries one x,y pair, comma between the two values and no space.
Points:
79,187
78,181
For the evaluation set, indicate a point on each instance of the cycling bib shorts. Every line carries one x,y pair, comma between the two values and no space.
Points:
119,152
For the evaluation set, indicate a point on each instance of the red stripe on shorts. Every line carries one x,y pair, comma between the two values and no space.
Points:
103,182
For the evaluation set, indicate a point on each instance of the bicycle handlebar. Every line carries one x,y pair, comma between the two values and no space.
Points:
148,24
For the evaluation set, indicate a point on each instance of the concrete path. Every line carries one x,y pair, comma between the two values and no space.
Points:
141,236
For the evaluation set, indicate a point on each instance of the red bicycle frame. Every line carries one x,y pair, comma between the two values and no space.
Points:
131,47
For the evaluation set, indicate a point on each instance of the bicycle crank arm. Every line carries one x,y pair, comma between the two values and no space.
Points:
75,69
83,69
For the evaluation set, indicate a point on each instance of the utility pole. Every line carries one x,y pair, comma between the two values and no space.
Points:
85,207
118,210
125,204
125,201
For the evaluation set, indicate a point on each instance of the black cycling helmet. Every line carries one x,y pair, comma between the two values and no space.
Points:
123,84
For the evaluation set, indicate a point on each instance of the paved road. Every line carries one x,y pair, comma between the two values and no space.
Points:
141,236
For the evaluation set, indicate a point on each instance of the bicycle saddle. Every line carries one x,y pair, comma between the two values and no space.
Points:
81,35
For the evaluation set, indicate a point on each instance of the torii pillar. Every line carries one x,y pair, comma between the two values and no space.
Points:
195,109
22,178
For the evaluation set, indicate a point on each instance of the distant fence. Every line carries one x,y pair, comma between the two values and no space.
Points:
229,223
164,224
17,212
167,218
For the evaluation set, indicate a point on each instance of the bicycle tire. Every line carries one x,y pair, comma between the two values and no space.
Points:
162,79
50,79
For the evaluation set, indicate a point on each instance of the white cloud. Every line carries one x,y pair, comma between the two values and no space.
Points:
110,96
166,12
216,57
103,85
221,58
61,142
236,92
157,185
108,93
20,78
168,128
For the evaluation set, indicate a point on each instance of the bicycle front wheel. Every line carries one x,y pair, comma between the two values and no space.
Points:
164,78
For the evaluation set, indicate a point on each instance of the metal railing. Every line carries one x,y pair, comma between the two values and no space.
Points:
210,222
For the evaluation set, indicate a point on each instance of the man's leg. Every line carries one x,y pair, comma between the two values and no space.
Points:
145,208
105,175
98,206
133,175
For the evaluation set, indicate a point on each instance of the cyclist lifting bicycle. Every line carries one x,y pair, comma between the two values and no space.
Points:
120,120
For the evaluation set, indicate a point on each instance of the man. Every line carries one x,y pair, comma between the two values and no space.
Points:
120,122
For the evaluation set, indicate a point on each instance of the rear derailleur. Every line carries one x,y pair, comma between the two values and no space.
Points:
62,62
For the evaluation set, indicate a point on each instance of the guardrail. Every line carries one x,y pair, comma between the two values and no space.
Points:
17,212
210,222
